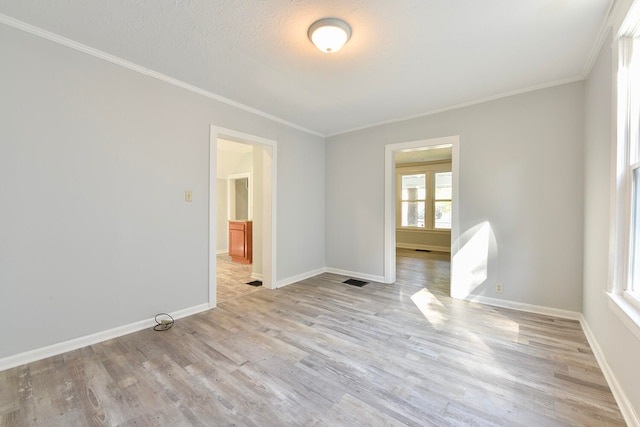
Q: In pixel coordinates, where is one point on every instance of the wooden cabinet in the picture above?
(240, 241)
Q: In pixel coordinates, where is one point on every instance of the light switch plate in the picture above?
(188, 196)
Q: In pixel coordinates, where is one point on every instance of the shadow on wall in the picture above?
(470, 263)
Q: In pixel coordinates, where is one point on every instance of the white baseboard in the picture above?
(257, 276)
(538, 309)
(76, 343)
(299, 277)
(222, 251)
(423, 247)
(356, 275)
(622, 400)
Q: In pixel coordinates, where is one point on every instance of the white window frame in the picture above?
(435, 199)
(400, 200)
(623, 301)
(429, 170)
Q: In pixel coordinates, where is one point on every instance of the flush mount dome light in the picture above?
(329, 34)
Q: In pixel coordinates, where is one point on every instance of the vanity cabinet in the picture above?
(240, 241)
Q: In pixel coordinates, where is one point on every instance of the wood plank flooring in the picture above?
(232, 278)
(323, 353)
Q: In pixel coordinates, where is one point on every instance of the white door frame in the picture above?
(268, 204)
(390, 198)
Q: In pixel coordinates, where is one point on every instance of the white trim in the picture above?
(520, 306)
(633, 298)
(256, 276)
(39, 32)
(630, 25)
(76, 343)
(390, 225)
(423, 247)
(618, 14)
(621, 398)
(356, 275)
(390, 197)
(32, 29)
(605, 29)
(299, 277)
(424, 230)
(213, 225)
(463, 105)
(269, 203)
(222, 251)
(624, 144)
(626, 312)
(615, 264)
(626, 407)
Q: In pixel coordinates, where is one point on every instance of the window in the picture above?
(414, 193)
(442, 200)
(629, 149)
(424, 199)
(633, 285)
(625, 281)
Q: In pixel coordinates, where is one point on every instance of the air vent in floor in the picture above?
(354, 282)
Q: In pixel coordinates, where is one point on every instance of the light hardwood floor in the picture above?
(232, 279)
(319, 353)
(427, 269)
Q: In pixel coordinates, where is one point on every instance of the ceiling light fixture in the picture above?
(329, 34)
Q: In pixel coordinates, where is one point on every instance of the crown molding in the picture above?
(39, 32)
(605, 30)
(463, 105)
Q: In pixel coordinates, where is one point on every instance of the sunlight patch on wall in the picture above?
(470, 263)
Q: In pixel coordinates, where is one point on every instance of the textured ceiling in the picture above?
(405, 58)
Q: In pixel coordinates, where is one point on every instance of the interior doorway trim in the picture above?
(269, 235)
(390, 198)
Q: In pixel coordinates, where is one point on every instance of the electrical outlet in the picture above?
(188, 196)
(498, 288)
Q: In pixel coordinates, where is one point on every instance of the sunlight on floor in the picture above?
(436, 314)
(430, 307)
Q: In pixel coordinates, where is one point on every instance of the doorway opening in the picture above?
(241, 203)
(239, 195)
(423, 214)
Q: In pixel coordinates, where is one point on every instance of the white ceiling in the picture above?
(405, 57)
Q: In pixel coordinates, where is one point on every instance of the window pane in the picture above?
(414, 187)
(635, 233)
(443, 186)
(413, 214)
(443, 215)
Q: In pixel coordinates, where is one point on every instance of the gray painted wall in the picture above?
(620, 347)
(520, 161)
(94, 161)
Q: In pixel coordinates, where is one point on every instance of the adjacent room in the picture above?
(214, 215)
